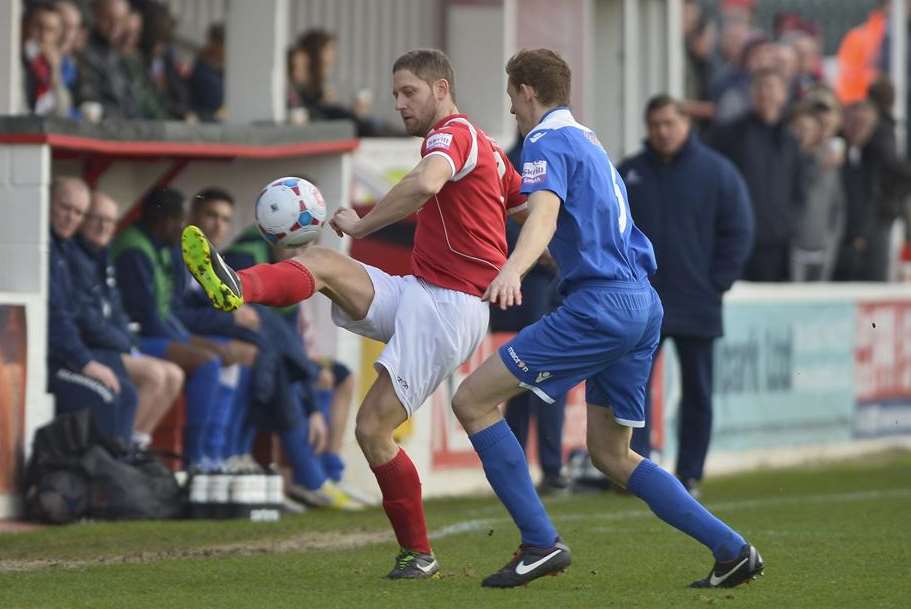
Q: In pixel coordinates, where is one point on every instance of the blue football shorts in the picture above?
(604, 333)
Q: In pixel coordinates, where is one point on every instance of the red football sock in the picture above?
(280, 284)
(401, 488)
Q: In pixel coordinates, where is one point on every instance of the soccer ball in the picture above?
(290, 212)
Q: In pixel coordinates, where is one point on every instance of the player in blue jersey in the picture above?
(605, 333)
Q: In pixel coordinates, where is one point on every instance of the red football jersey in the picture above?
(460, 239)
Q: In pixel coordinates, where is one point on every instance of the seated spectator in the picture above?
(311, 87)
(313, 63)
(821, 221)
(212, 210)
(150, 105)
(78, 376)
(207, 79)
(105, 324)
(151, 277)
(46, 88)
(72, 42)
(296, 408)
(164, 71)
(103, 77)
(298, 69)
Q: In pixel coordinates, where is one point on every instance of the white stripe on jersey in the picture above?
(448, 158)
(472, 161)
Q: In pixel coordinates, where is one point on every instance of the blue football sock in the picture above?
(217, 421)
(247, 436)
(306, 468)
(333, 465)
(674, 505)
(507, 471)
(127, 403)
(202, 394)
(239, 411)
(324, 401)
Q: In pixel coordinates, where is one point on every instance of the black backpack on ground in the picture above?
(74, 473)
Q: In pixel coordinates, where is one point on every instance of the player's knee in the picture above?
(462, 403)
(314, 257)
(609, 463)
(367, 428)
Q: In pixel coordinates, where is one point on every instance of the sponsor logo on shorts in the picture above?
(542, 376)
(515, 358)
(534, 172)
(439, 140)
(402, 382)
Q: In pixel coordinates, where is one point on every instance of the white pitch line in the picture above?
(479, 524)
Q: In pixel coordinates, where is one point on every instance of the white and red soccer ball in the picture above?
(290, 212)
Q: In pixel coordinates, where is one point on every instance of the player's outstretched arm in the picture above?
(536, 233)
(424, 181)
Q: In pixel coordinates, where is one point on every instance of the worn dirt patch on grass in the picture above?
(298, 543)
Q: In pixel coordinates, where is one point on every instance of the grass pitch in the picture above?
(832, 536)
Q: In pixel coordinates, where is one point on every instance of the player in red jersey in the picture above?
(431, 321)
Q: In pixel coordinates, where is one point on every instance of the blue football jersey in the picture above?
(596, 239)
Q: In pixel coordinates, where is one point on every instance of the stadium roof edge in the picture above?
(123, 138)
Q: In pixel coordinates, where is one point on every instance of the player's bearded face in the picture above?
(415, 102)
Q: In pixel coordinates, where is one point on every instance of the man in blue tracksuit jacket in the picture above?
(81, 375)
(694, 207)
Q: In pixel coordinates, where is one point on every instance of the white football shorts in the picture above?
(428, 330)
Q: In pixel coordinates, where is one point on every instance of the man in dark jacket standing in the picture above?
(694, 207)
(768, 156)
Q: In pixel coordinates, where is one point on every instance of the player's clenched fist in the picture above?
(344, 222)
